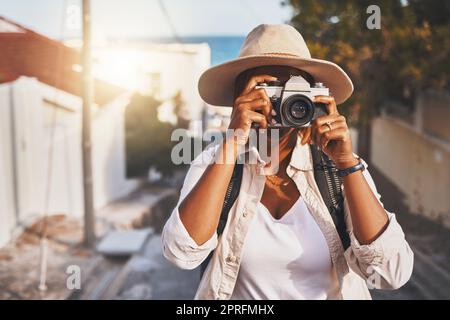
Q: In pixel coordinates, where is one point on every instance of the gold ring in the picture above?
(328, 124)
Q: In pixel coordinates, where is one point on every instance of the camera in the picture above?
(293, 101)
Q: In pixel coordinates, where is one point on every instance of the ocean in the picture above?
(223, 48)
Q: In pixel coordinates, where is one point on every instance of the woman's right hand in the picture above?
(248, 103)
(200, 209)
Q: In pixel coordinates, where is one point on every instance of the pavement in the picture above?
(20, 260)
(151, 276)
(430, 242)
(146, 274)
(154, 278)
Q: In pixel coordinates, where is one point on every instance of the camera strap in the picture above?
(328, 182)
(231, 195)
(330, 186)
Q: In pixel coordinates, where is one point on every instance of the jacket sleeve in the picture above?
(178, 246)
(387, 262)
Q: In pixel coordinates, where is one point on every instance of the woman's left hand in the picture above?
(331, 133)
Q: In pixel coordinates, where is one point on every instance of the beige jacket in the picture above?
(386, 263)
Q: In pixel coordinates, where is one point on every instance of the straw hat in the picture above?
(272, 45)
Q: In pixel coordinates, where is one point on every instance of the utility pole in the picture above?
(87, 93)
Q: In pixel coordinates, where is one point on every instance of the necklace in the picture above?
(272, 180)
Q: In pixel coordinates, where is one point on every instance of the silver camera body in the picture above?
(293, 102)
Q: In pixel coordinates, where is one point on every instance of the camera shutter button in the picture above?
(319, 85)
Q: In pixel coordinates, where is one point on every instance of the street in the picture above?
(148, 275)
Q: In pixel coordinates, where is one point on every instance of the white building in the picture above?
(40, 118)
(40, 153)
(156, 69)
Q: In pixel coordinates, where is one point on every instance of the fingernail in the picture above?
(273, 112)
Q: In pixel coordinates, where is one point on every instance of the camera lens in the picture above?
(297, 110)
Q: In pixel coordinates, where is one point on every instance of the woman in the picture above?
(280, 241)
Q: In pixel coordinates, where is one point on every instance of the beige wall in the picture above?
(418, 164)
(7, 202)
(436, 114)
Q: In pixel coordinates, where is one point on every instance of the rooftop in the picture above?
(27, 53)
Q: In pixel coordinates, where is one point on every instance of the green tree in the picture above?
(147, 139)
(410, 53)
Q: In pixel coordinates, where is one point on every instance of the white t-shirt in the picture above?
(285, 258)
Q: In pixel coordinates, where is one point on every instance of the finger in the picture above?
(320, 131)
(258, 104)
(340, 134)
(252, 95)
(306, 135)
(329, 102)
(267, 108)
(320, 121)
(332, 126)
(317, 134)
(340, 119)
(335, 121)
(255, 80)
(254, 117)
(318, 125)
(261, 102)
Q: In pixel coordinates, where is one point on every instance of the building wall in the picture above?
(34, 112)
(175, 67)
(417, 163)
(435, 108)
(108, 153)
(7, 206)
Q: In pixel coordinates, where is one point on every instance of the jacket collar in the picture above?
(301, 157)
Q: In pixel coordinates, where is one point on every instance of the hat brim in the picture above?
(216, 85)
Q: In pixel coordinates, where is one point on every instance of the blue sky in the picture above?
(144, 18)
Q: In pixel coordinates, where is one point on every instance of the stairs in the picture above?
(143, 276)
